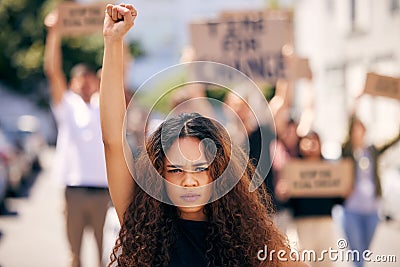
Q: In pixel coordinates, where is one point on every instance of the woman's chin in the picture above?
(192, 213)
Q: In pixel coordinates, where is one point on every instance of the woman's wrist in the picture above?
(112, 40)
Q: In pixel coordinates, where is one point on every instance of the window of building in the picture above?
(330, 6)
(360, 15)
(394, 6)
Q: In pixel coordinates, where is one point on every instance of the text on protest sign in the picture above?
(252, 45)
(309, 178)
(79, 19)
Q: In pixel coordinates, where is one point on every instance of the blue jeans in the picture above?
(359, 229)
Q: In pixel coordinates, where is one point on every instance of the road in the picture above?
(36, 236)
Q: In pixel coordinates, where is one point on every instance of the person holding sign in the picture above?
(361, 207)
(312, 215)
(80, 161)
(182, 158)
(286, 145)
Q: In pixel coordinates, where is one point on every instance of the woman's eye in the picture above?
(174, 171)
(201, 169)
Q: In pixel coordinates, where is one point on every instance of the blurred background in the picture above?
(342, 40)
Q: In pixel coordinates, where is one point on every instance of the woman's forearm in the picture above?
(112, 98)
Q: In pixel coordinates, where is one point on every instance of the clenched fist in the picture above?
(118, 20)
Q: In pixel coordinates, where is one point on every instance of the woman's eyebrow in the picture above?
(200, 164)
(174, 166)
(181, 166)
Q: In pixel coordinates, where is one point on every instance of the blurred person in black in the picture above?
(283, 148)
(80, 163)
(362, 205)
(286, 148)
(259, 144)
(312, 215)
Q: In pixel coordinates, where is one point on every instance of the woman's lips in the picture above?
(190, 197)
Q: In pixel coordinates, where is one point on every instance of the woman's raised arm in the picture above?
(117, 22)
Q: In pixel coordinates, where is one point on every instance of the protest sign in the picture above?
(251, 44)
(256, 14)
(380, 85)
(310, 178)
(79, 19)
(297, 68)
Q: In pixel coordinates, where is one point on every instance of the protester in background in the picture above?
(240, 119)
(361, 207)
(285, 148)
(312, 215)
(80, 163)
(136, 117)
(229, 231)
(258, 135)
(191, 98)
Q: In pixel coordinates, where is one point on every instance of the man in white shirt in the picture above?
(79, 163)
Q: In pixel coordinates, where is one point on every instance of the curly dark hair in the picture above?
(239, 223)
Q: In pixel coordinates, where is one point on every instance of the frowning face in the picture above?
(187, 177)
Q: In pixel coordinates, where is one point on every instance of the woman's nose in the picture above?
(189, 179)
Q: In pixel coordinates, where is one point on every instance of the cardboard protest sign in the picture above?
(297, 68)
(309, 178)
(252, 45)
(379, 85)
(254, 14)
(80, 19)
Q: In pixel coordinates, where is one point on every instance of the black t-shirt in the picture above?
(258, 142)
(303, 207)
(190, 244)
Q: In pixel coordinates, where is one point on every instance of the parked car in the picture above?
(20, 148)
(3, 184)
(27, 137)
(12, 161)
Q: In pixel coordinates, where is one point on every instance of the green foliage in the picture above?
(219, 93)
(268, 91)
(161, 93)
(88, 49)
(273, 4)
(22, 40)
(216, 92)
(135, 49)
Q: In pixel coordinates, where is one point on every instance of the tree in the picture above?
(22, 40)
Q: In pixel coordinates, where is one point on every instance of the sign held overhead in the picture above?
(80, 19)
(250, 41)
(380, 85)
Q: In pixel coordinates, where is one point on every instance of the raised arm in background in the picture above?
(118, 20)
(53, 59)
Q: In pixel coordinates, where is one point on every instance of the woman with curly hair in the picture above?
(172, 206)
